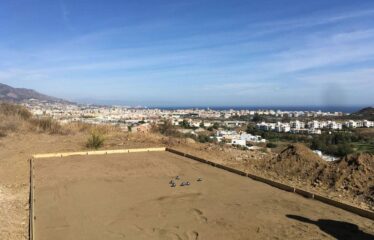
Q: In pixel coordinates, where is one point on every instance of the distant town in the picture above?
(228, 125)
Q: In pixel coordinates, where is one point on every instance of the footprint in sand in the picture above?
(167, 234)
(172, 235)
(193, 235)
(199, 215)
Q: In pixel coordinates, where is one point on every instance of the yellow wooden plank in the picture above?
(101, 152)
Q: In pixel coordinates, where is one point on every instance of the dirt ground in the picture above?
(15, 150)
(299, 168)
(128, 196)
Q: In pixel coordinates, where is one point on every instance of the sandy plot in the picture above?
(128, 196)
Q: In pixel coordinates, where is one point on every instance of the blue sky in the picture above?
(197, 52)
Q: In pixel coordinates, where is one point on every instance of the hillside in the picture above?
(365, 113)
(10, 94)
(349, 180)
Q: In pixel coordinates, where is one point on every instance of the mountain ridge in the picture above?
(11, 94)
(367, 113)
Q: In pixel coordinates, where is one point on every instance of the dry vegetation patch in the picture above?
(17, 118)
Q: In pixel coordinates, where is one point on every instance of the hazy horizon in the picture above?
(326, 108)
(195, 53)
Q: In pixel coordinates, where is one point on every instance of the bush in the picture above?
(47, 125)
(240, 147)
(271, 145)
(337, 144)
(95, 141)
(167, 129)
(185, 124)
(344, 149)
(2, 134)
(258, 118)
(204, 138)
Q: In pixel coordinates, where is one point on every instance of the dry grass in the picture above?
(48, 125)
(365, 132)
(15, 118)
(86, 127)
(8, 109)
(12, 118)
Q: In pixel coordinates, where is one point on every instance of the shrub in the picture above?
(271, 145)
(240, 147)
(2, 134)
(204, 138)
(95, 141)
(166, 128)
(185, 124)
(344, 149)
(257, 118)
(47, 125)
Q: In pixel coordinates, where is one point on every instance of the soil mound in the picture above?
(352, 175)
(355, 174)
(298, 162)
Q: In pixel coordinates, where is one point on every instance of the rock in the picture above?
(190, 141)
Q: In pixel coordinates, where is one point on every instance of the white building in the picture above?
(266, 126)
(314, 125)
(351, 124)
(251, 138)
(334, 125)
(367, 124)
(234, 123)
(315, 131)
(239, 142)
(282, 127)
(297, 124)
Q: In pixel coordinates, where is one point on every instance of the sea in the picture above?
(344, 109)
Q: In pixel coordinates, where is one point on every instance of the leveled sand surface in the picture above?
(128, 196)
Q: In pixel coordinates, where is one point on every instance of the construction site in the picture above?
(143, 194)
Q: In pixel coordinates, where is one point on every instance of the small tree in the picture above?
(215, 125)
(204, 138)
(344, 149)
(257, 118)
(185, 124)
(167, 128)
